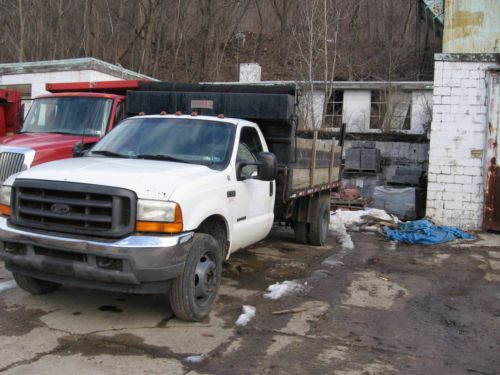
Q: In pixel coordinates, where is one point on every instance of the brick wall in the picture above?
(457, 143)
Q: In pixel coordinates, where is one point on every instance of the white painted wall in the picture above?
(357, 105)
(38, 80)
(356, 110)
(458, 140)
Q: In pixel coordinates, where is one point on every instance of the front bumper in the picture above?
(136, 264)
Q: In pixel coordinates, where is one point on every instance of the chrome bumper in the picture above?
(134, 260)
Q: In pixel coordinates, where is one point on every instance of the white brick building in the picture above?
(459, 131)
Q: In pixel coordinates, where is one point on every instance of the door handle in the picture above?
(271, 189)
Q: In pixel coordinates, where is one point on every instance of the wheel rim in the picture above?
(205, 279)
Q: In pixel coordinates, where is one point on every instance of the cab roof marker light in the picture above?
(141, 113)
(220, 115)
(163, 113)
(178, 113)
(194, 113)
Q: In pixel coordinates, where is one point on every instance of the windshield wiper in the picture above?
(60, 132)
(161, 157)
(109, 153)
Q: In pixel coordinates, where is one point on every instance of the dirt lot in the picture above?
(377, 309)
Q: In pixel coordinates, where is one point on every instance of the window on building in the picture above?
(378, 108)
(334, 109)
(390, 111)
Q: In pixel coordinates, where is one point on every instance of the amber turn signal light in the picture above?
(158, 227)
(4, 210)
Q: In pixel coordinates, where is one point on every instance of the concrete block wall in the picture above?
(457, 142)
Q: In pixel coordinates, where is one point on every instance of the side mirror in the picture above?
(267, 168)
(81, 149)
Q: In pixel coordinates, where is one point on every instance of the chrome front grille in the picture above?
(73, 208)
(10, 163)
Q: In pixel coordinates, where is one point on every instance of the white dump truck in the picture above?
(158, 204)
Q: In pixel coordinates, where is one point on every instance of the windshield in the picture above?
(176, 139)
(75, 115)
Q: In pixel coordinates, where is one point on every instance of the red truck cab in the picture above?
(73, 114)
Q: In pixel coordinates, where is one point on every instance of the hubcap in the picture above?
(205, 279)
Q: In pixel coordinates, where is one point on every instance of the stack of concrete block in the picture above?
(363, 157)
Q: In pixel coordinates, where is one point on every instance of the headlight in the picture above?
(158, 216)
(5, 193)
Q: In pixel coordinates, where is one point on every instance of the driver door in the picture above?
(254, 198)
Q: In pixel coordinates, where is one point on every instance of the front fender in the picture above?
(196, 212)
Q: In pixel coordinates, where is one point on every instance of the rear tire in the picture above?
(193, 293)
(300, 230)
(35, 286)
(318, 229)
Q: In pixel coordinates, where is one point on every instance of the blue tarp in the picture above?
(424, 232)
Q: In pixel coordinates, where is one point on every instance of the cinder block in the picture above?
(456, 170)
(449, 117)
(452, 205)
(445, 169)
(433, 186)
(446, 99)
(447, 196)
(440, 108)
(477, 180)
(353, 159)
(459, 91)
(433, 169)
(437, 99)
(465, 197)
(445, 178)
(462, 179)
(449, 73)
(470, 83)
(443, 91)
(370, 159)
(453, 188)
(436, 118)
(471, 171)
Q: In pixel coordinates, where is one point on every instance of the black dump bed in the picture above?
(307, 164)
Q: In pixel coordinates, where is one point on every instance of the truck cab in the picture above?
(72, 115)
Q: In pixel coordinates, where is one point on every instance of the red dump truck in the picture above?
(59, 125)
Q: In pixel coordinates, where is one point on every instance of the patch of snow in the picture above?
(246, 316)
(337, 226)
(341, 221)
(194, 359)
(6, 285)
(353, 218)
(285, 288)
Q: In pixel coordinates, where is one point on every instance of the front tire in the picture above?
(193, 293)
(35, 286)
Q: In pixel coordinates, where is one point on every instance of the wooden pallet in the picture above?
(352, 204)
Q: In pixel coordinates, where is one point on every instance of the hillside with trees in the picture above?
(206, 40)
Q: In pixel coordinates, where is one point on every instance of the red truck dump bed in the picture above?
(109, 87)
